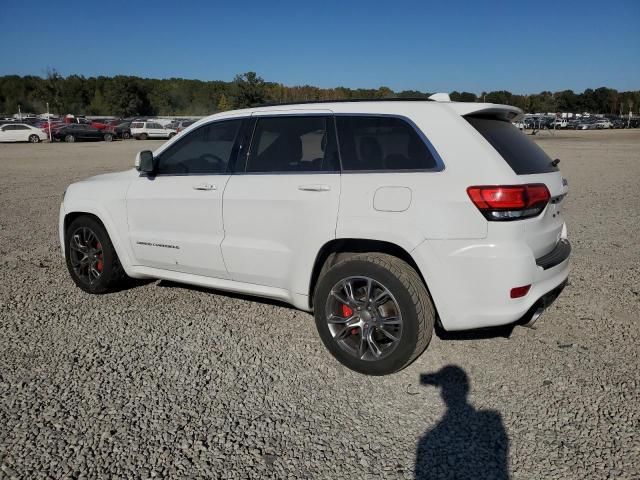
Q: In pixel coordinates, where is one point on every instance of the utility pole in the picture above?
(49, 120)
(19, 113)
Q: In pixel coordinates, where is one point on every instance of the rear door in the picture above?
(156, 131)
(281, 206)
(531, 165)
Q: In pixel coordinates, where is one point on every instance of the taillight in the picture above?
(510, 202)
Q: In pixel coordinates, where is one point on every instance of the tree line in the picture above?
(127, 96)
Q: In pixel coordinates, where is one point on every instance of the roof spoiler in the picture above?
(493, 110)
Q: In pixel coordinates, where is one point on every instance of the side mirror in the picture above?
(144, 162)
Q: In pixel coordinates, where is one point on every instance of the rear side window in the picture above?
(205, 150)
(137, 125)
(522, 155)
(293, 144)
(373, 143)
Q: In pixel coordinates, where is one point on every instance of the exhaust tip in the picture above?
(537, 312)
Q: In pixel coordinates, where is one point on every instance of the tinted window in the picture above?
(21, 127)
(381, 143)
(137, 125)
(206, 150)
(522, 155)
(293, 144)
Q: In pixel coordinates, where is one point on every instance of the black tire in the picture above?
(126, 135)
(112, 276)
(171, 135)
(404, 283)
(108, 137)
(34, 139)
(69, 138)
(143, 136)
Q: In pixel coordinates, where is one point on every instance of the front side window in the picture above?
(204, 151)
(375, 143)
(293, 144)
(21, 127)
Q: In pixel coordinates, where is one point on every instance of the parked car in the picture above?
(587, 124)
(99, 124)
(145, 130)
(603, 123)
(184, 124)
(379, 217)
(122, 130)
(73, 132)
(21, 132)
(559, 123)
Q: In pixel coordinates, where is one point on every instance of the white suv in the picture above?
(380, 217)
(145, 130)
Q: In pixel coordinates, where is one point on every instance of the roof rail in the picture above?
(306, 102)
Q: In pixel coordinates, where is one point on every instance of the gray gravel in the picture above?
(167, 381)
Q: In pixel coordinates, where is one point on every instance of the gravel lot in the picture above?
(168, 381)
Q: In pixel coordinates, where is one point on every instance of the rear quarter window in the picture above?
(137, 125)
(523, 156)
(381, 143)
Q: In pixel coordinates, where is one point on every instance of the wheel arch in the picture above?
(116, 241)
(338, 249)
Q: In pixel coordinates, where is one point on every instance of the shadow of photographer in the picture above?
(466, 443)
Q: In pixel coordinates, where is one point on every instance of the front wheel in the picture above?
(373, 313)
(108, 137)
(126, 136)
(91, 259)
(69, 139)
(34, 138)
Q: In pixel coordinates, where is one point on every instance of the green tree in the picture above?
(248, 90)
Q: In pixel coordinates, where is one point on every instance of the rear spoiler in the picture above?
(493, 110)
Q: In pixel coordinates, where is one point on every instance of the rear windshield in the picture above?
(522, 155)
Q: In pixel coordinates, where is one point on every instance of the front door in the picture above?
(175, 216)
(281, 205)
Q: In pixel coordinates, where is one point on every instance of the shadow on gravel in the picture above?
(466, 443)
(504, 331)
(239, 296)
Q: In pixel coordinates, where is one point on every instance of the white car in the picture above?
(380, 217)
(145, 130)
(21, 132)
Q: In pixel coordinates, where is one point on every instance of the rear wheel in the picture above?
(143, 136)
(108, 137)
(91, 259)
(373, 313)
(34, 138)
(126, 135)
(69, 138)
(171, 135)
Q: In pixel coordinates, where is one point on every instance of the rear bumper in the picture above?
(470, 283)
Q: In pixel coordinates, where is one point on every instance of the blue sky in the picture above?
(521, 46)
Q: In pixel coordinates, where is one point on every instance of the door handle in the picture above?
(314, 188)
(205, 186)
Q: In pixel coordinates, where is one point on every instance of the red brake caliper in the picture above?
(99, 265)
(347, 312)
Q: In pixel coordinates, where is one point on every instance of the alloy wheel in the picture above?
(364, 318)
(85, 252)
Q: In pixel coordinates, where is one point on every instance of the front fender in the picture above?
(116, 229)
